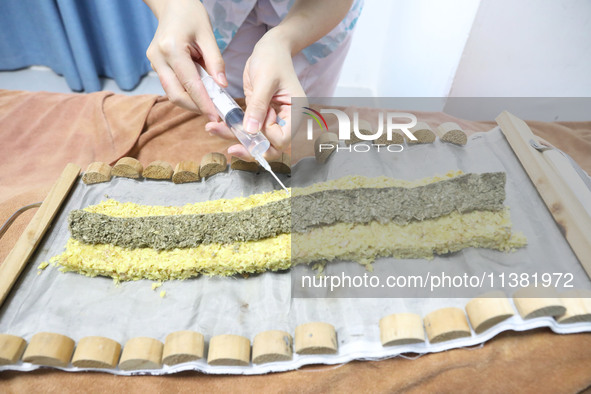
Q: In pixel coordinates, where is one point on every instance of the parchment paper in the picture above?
(78, 306)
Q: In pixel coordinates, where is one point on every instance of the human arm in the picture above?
(270, 80)
(184, 37)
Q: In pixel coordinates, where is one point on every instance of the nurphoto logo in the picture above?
(392, 122)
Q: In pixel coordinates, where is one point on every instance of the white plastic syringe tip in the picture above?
(267, 167)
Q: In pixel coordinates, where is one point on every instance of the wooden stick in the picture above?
(272, 346)
(423, 133)
(182, 347)
(212, 163)
(186, 171)
(241, 165)
(47, 348)
(281, 165)
(316, 338)
(451, 132)
(141, 353)
(127, 167)
(534, 302)
(578, 307)
(11, 348)
(230, 350)
(96, 352)
(401, 329)
(35, 230)
(570, 215)
(324, 146)
(158, 169)
(446, 324)
(97, 172)
(488, 310)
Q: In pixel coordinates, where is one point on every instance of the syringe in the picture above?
(231, 113)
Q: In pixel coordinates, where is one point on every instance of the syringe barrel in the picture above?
(256, 144)
(233, 115)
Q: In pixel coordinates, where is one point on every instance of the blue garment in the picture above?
(79, 39)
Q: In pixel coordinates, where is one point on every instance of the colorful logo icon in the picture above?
(317, 117)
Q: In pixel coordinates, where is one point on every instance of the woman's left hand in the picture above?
(270, 82)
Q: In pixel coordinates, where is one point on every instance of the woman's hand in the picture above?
(270, 82)
(185, 37)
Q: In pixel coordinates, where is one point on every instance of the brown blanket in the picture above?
(41, 132)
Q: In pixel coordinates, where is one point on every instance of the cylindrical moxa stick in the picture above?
(185, 172)
(451, 132)
(488, 310)
(271, 346)
(229, 350)
(578, 306)
(282, 165)
(141, 353)
(242, 165)
(11, 348)
(446, 324)
(183, 346)
(423, 133)
(96, 352)
(315, 338)
(537, 302)
(212, 163)
(47, 348)
(364, 128)
(127, 167)
(158, 169)
(97, 172)
(396, 138)
(401, 329)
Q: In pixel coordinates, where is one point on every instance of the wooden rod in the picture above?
(97, 172)
(141, 353)
(534, 302)
(488, 310)
(48, 348)
(18, 257)
(158, 169)
(570, 215)
(316, 338)
(11, 348)
(446, 324)
(183, 346)
(229, 350)
(212, 163)
(272, 346)
(128, 167)
(578, 306)
(96, 352)
(401, 329)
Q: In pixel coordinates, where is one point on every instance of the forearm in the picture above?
(156, 6)
(308, 21)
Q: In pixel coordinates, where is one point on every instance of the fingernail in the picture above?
(252, 126)
(222, 79)
(208, 127)
(231, 150)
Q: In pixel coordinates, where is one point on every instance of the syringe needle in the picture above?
(232, 114)
(281, 183)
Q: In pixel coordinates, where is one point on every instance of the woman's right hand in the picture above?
(185, 37)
